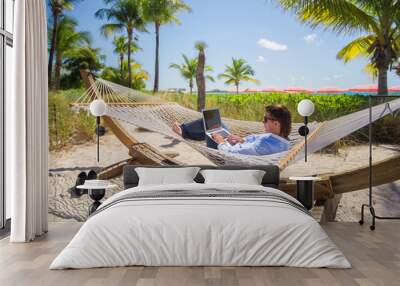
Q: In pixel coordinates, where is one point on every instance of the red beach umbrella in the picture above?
(232, 90)
(395, 88)
(272, 89)
(371, 88)
(250, 90)
(330, 90)
(298, 89)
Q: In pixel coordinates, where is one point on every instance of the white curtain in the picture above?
(26, 123)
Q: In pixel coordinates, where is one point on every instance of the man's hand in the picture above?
(218, 138)
(234, 139)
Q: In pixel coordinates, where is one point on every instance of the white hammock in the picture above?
(152, 113)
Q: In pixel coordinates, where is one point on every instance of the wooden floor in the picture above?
(375, 257)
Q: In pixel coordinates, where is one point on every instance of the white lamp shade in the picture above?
(98, 107)
(305, 107)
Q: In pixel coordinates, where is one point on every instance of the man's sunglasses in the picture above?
(267, 118)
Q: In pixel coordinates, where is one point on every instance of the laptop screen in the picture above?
(212, 119)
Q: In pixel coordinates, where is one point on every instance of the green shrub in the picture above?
(252, 106)
(65, 125)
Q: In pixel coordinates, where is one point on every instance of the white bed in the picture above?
(209, 230)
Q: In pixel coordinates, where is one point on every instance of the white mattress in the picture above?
(195, 231)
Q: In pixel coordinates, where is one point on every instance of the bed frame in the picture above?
(270, 179)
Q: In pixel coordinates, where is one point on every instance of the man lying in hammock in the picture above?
(277, 124)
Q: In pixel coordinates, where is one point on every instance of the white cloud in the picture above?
(260, 59)
(337, 76)
(270, 45)
(311, 38)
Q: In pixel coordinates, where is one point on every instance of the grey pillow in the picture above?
(247, 177)
(166, 176)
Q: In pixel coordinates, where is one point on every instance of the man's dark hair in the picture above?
(281, 114)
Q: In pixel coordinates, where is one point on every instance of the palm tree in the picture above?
(188, 70)
(200, 79)
(161, 12)
(123, 15)
(67, 40)
(81, 57)
(378, 20)
(139, 75)
(56, 7)
(238, 72)
(121, 48)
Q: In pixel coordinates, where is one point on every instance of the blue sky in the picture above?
(282, 51)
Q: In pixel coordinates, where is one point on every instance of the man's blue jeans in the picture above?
(195, 130)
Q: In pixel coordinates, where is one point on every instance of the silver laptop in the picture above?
(213, 124)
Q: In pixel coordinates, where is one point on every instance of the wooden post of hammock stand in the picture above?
(88, 81)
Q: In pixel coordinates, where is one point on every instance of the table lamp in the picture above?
(98, 108)
(305, 108)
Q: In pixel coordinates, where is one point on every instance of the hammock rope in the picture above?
(129, 106)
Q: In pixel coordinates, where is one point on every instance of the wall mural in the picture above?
(106, 112)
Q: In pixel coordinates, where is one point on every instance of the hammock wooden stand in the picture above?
(328, 191)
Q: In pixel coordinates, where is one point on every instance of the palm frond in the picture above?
(358, 48)
(200, 45)
(111, 28)
(340, 15)
(175, 66)
(164, 11)
(225, 76)
(371, 70)
(210, 78)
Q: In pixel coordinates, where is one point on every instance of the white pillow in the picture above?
(248, 177)
(166, 176)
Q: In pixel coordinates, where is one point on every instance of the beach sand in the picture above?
(66, 164)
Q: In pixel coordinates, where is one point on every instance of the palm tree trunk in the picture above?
(56, 13)
(156, 72)
(201, 82)
(397, 68)
(191, 86)
(121, 65)
(129, 58)
(382, 82)
(237, 88)
(57, 76)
